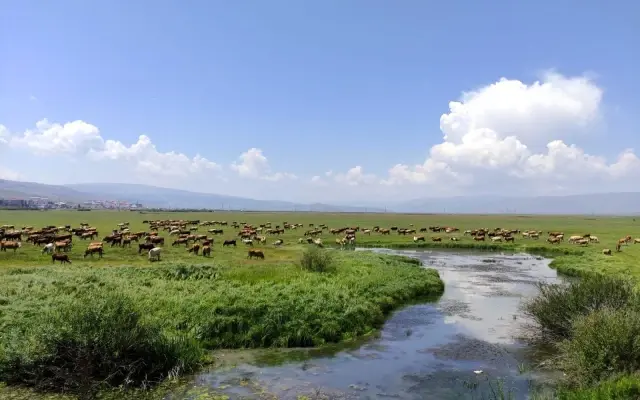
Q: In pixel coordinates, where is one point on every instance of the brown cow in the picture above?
(206, 251)
(4, 245)
(195, 249)
(94, 249)
(255, 253)
(63, 258)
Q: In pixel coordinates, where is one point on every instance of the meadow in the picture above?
(173, 310)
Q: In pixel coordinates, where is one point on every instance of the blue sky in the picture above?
(317, 86)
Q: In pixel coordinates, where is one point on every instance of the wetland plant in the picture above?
(557, 306)
(315, 259)
(94, 342)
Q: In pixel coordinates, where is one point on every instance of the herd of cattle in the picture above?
(57, 241)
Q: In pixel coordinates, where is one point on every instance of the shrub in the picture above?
(315, 259)
(603, 343)
(97, 340)
(621, 388)
(554, 310)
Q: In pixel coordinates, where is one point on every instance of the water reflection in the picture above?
(424, 351)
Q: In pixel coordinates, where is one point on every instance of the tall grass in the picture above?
(555, 309)
(96, 341)
(604, 343)
(80, 329)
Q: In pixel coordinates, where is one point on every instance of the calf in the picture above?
(63, 258)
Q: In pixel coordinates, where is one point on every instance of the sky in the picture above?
(332, 100)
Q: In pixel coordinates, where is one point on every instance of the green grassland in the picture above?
(229, 301)
(569, 258)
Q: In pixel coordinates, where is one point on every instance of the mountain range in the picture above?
(157, 197)
(622, 203)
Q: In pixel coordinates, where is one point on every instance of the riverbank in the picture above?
(184, 308)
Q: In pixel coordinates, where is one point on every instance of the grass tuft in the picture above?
(315, 259)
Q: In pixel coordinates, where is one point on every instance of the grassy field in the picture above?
(577, 259)
(186, 303)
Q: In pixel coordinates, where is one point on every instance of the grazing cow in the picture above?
(454, 239)
(436, 239)
(618, 247)
(606, 252)
(4, 245)
(180, 241)
(63, 258)
(195, 249)
(497, 239)
(48, 248)
(636, 241)
(206, 251)
(145, 246)
(278, 242)
(318, 242)
(154, 254)
(255, 253)
(229, 243)
(553, 240)
(574, 238)
(91, 250)
(418, 239)
(248, 242)
(479, 238)
(593, 239)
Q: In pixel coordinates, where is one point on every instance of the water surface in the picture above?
(451, 348)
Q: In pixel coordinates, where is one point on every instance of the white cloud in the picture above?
(253, 164)
(510, 132)
(4, 135)
(8, 174)
(81, 139)
(354, 177)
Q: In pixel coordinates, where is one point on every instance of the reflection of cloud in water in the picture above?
(423, 351)
(492, 290)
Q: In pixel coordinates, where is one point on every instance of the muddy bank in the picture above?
(451, 348)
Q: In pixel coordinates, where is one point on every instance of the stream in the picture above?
(461, 345)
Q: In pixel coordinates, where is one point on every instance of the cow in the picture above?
(154, 254)
(195, 249)
(436, 239)
(91, 250)
(255, 253)
(229, 243)
(206, 251)
(248, 242)
(606, 252)
(637, 240)
(418, 238)
(145, 246)
(4, 245)
(63, 258)
(48, 248)
(278, 242)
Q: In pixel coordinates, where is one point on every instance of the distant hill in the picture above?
(152, 196)
(595, 203)
(16, 189)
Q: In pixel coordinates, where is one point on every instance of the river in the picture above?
(458, 346)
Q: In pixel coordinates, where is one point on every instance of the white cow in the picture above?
(155, 253)
(48, 248)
